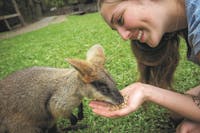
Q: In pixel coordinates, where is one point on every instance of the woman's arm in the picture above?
(138, 93)
(179, 103)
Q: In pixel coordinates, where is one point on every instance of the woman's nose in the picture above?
(124, 33)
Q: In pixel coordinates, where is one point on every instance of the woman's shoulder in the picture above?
(192, 11)
(193, 19)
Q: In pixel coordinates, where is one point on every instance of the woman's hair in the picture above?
(156, 65)
(100, 2)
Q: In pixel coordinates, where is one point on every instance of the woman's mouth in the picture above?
(139, 36)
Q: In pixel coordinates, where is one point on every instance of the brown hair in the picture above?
(157, 65)
(100, 2)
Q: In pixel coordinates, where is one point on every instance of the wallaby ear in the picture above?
(85, 69)
(96, 55)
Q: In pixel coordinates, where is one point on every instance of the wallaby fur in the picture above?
(31, 100)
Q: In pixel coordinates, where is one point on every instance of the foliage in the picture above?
(1, 3)
(55, 3)
(72, 38)
(60, 3)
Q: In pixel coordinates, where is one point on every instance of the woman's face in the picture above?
(136, 20)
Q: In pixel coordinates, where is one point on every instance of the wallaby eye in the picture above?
(102, 87)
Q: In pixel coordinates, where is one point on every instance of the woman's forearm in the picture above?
(179, 103)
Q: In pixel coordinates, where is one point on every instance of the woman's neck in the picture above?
(181, 13)
(176, 11)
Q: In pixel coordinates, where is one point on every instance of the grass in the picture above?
(72, 38)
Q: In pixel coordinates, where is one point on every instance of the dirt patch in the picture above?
(34, 26)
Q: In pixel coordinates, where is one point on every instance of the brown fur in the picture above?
(31, 100)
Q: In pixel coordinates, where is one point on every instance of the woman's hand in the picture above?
(135, 94)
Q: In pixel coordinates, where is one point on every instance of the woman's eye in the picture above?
(120, 20)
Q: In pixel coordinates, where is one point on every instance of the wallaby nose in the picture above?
(119, 98)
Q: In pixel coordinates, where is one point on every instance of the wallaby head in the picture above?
(100, 85)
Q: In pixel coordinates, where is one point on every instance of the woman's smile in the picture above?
(137, 35)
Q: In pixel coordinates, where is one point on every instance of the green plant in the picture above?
(55, 3)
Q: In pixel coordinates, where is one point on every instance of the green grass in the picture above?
(72, 38)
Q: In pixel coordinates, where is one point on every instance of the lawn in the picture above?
(72, 38)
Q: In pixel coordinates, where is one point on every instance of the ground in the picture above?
(34, 26)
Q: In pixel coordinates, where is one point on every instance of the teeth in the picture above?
(139, 35)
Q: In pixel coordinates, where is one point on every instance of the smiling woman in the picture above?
(154, 41)
(153, 28)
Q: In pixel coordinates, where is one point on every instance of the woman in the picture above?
(154, 27)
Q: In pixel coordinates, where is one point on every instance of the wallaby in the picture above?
(31, 100)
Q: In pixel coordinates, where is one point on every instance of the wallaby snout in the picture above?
(105, 93)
